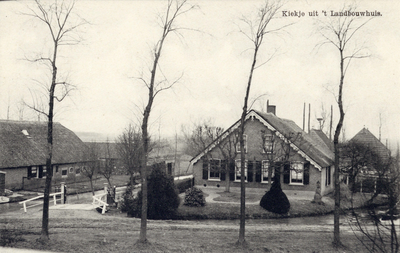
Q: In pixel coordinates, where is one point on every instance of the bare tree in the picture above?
(255, 30)
(20, 109)
(375, 226)
(339, 31)
(174, 10)
(107, 166)
(129, 148)
(91, 164)
(57, 17)
(354, 157)
(200, 136)
(204, 134)
(228, 149)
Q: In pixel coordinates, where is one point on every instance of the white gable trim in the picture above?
(292, 145)
(251, 114)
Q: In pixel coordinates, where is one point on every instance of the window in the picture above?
(296, 173)
(169, 168)
(71, 170)
(78, 171)
(267, 143)
(265, 168)
(64, 172)
(32, 172)
(42, 172)
(238, 170)
(238, 143)
(214, 169)
(328, 176)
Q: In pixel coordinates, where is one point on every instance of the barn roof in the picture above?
(365, 137)
(23, 143)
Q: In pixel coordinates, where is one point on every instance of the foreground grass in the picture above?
(88, 231)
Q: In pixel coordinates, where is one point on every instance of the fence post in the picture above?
(62, 193)
(375, 185)
(361, 185)
(105, 187)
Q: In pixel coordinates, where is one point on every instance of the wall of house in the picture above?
(326, 189)
(182, 168)
(14, 178)
(254, 131)
(17, 178)
(314, 177)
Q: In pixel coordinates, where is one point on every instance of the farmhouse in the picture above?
(273, 146)
(23, 147)
(366, 163)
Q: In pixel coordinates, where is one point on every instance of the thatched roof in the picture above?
(23, 143)
(366, 138)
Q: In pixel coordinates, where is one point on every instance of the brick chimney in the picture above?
(271, 108)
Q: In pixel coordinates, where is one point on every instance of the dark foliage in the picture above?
(275, 199)
(194, 197)
(9, 237)
(163, 199)
(184, 185)
(127, 199)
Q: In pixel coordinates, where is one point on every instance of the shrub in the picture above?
(275, 200)
(194, 197)
(128, 199)
(162, 197)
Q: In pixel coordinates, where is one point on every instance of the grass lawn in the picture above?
(231, 210)
(212, 228)
(88, 231)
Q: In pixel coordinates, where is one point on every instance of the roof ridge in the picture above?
(26, 121)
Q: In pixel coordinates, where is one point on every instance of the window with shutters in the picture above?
(214, 169)
(265, 168)
(328, 176)
(296, 173)
(42, 171)
(32, 172)
(238, 171)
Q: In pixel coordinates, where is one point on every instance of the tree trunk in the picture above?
(44, 236)
(336, 218)
(145, 137)
(242, 240)
(91, 185)
(143, 221)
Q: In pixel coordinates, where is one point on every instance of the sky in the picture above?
(213, 60)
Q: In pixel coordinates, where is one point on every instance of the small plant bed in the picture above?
(231, 211)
